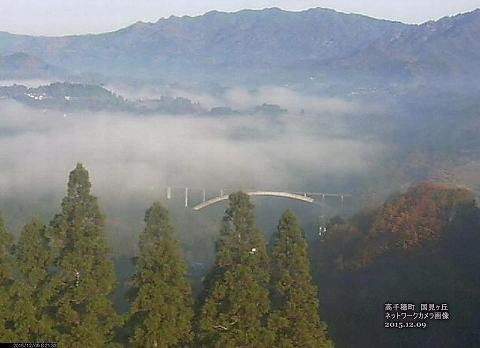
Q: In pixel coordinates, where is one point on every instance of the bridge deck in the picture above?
(295, 196)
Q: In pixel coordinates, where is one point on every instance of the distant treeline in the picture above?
(56, 283)
(75, 97)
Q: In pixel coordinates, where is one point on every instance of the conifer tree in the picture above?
(31, 292)
(295, 319)
(236, 299)
(162, 310)
(84, 277)
(7, 265)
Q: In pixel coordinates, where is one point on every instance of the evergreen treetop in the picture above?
(236, 295)
(162, 309)
(295, 319)
(31, 294)
(84, 277)
(33, 253)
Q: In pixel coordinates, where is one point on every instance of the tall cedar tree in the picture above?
(295, 318)
(162, 310)
(84, 276)
(31, 292)
(236, 299)
(7, 265)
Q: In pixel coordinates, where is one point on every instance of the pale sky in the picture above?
(64, 17)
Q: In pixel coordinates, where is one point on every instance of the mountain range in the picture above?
(260, 46)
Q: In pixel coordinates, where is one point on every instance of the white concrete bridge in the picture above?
(306, 197)
(295, 196)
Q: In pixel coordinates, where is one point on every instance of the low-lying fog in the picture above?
(136, 153)
(133, 158)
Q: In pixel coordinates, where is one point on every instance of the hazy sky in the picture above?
(60, 17)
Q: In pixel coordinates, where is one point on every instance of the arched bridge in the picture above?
(303, 198)
(306, 197)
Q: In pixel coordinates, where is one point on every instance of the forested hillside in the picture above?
(422, 246)
(419, 247)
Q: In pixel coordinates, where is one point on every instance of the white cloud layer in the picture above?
(134, 155)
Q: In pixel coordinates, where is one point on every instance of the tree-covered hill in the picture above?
(419, 247)
(67, 96)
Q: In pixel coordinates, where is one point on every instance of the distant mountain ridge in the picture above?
(269, 45)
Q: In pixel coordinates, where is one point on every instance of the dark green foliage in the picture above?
(421, 246)
(162, 309)
(83, 277)
(33, 254)
(295, 319)
(31, 292)
(236, 299)
(7, 333)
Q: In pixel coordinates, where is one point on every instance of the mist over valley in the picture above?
(381, 116)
